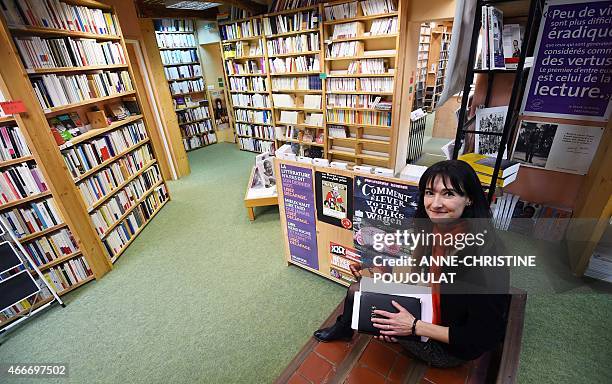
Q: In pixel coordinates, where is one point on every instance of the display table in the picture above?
(328, 215)
(258, 197)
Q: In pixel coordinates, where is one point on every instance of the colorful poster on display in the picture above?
(334, 199)
(381, 207)
(571, 75)
(219, 107)
(300, 214)
(557, 147)
(340, 259)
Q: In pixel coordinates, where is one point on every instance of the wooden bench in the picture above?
(367, 360)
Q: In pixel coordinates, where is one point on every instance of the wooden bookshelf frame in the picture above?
(47, 154)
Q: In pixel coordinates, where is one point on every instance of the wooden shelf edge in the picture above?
(130, 209)
(19, 160)
(98, 131)
(23, 313)
(11, 204)
(41, 233)
(120, 186)
(77, 285)
(110, 161)
(86, 102)
(59, 260)
(138, 231)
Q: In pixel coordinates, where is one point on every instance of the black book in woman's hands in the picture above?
(371, 301)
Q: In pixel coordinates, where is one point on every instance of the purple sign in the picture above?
(300, 214)
(572, 66)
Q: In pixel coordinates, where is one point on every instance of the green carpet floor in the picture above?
(204, 296)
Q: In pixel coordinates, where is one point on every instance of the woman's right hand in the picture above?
(356, 270)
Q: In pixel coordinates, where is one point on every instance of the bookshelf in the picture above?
(295, 57)
(86, 135)
(362, 58)
(177, 42)
(421, 67)
(436, 63)
(312, 88)
(246, 69)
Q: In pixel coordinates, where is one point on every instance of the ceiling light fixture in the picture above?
(195, 5)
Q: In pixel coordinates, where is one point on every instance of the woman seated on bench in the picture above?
(466, 322)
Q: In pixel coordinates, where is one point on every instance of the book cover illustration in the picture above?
(334, 199)
(496, 27)
(489, 120)
(340, 260)
(381, 207)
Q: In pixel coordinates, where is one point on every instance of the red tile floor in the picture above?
(367, 360)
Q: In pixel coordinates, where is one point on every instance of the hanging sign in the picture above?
(300, 214)
(571, 75)
(12, 107)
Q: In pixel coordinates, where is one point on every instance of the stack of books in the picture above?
(485, 165)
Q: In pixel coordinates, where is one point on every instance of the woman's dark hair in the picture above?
(463, 180)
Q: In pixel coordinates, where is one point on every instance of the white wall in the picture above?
(208, 32)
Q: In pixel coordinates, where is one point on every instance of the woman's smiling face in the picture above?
(443, 204)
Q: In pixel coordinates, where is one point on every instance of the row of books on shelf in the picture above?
(182, 40)
(295, 64)
(58, 90)
(179, 56)
(25, 305)
(384, 27)
(50, 247)
(114, 208)
(294, 44)
(366, 66)
(282, 5)
(37, 52)
(341, 11)
(250, 116)
(20, 181)
(183, 71)
(101, 184)
(258, 131)
(244, 49)
(307, 135)
(378, 84)
(248, 84)
(359, 117)
(197, 128)
(246, 100)
(345, 30)
(540, 221)
(248, 67)
(234, 13)
(12, 143)
(36, 217)
(256, 145)
(116, 240)
(313, 82)
(192, 114)
(85, 156)
(293, 118)
(59, 15)
(345, 49)
(199, 141)
(289, 101)
(291, 23)
(185, 102)
(173, 25)
(499, 45)
(368, 8)
(68, 274)
(248, 28)
(377, 7)
(186, 86)
(358, 101)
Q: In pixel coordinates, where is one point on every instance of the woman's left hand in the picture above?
(394, 324)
